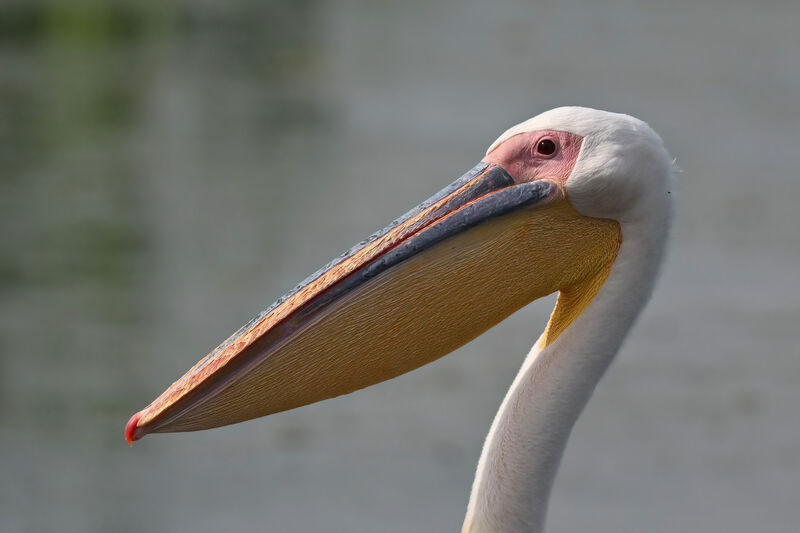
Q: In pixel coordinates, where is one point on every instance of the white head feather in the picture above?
(623, 170)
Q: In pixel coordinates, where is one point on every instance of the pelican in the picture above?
(575, 200)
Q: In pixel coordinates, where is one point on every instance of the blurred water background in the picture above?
(168, 169)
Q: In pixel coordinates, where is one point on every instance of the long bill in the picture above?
(430, 282)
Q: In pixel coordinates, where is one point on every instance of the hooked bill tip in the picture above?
(130, 429)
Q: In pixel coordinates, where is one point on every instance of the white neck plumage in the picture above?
(524, 447)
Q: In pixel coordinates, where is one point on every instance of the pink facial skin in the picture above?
(521, 157)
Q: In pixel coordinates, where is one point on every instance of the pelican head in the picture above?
(541, 213)
(574, 200)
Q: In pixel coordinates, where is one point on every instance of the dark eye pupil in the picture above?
(546, 147)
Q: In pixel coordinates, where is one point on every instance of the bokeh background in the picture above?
(168, 169)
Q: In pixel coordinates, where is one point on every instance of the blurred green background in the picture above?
(168, 169)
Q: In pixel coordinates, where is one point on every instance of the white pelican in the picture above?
(574, 200)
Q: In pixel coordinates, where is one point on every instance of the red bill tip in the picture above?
(130, 429)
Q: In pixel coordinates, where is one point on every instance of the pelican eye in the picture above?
(546, 147)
